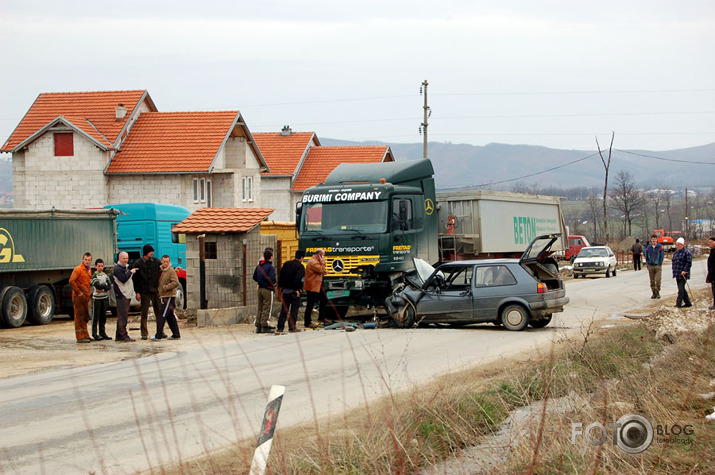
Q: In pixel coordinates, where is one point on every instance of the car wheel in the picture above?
(575, 276)
(42, 305)
(514, 317)
(608, 273)
(540, 323)
(405, 318)
(614, 272)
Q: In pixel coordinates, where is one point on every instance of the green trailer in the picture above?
(39, 249)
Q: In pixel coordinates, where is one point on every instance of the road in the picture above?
(136, 414)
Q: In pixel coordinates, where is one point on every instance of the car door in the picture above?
(491, 284)
(448, 295)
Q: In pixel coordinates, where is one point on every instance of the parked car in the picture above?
(509, 292)
(595, 260)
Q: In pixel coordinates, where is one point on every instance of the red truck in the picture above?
(576, 242)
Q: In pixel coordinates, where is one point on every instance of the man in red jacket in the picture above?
(80, 282)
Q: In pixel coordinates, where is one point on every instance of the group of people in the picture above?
(682, 262)
(150, 280)
(294, 278)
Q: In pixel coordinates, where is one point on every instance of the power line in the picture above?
(524, 176)
(665, 159)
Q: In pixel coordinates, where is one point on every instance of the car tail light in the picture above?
(541, 288)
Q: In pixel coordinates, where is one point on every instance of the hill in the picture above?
(463, 165)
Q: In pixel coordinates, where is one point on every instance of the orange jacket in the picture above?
(314, 271)
(80, 282)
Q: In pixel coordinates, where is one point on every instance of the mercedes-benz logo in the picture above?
(429, 207)
(338, 266)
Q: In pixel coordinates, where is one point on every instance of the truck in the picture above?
(139, 224)
(665, 240)
(373, 219)
(38, 250)
(495, 224)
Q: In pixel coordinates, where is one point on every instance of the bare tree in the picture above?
(668, 197)
(606, 166)
(594, 204)
(627, 199)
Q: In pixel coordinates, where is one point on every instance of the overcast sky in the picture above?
(552, 73)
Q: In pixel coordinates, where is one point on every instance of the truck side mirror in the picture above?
(298, 210)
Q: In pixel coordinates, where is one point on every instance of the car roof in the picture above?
(482, 262)
(596, 247)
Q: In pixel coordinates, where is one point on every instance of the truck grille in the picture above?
(348, 265)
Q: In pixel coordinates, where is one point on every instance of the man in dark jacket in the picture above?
(710, 279)
(146, 285)
(290, 281)
(265, 277)
(680, 264)
(637, 250)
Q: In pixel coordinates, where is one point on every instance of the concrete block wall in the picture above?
(275, 194)
(75, 181)
(167, 189)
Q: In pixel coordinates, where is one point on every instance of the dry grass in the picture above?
(433, 429)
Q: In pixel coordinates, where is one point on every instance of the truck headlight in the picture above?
(359, 285)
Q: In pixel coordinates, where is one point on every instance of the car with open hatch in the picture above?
(514, 293)
(594, 260)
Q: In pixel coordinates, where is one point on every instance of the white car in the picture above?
(595, 260)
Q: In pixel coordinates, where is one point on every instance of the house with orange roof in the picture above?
(90, 149)
(297, 161)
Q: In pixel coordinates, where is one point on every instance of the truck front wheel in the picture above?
(14, 307)
(181, 295)
(42, 305)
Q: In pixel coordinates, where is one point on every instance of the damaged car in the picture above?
(514, 293)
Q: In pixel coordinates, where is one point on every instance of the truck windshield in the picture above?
(362, 216)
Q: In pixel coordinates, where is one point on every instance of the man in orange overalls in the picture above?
(80, 283)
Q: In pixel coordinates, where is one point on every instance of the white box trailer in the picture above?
(493, 224)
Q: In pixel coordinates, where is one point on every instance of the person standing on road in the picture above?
(710, 279)
(146, 285)
(654, 254)
(290, 281)
(80, 281)
(100, 301)
(168, 283)
(314, 272)
(265, 277)
(123, 291)
(682, 261)
(637, 250)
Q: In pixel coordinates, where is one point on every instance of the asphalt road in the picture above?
(141, 413)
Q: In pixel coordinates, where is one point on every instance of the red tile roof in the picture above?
(92, 112)
(173, 142)
(284, 152)
(222, 220)
(323, 160)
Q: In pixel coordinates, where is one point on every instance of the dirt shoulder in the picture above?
(31, 349)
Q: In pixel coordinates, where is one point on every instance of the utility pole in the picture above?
(427, 113)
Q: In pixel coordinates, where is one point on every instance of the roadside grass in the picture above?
(607, 374)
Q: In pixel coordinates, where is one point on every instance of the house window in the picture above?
(209, 194)
(210, 251)
(247, 189)
(64, 144)
(196, 190)
(202, 190)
